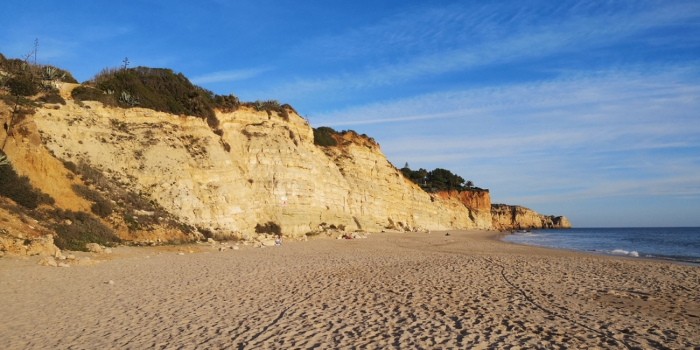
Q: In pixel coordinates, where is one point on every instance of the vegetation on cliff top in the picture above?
(324, 136)
(160, 89)
(163, 90)
(438, 180)
(20, 80)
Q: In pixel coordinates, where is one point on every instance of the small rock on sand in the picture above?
(235, 247)
(180, 253)
(108, 251)
(48, 262)
(62, 264)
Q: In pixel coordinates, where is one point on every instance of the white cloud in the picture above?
(230, 75)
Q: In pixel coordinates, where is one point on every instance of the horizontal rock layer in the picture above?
(258, 167)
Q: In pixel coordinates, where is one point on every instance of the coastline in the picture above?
(392, 290)
(601, 253)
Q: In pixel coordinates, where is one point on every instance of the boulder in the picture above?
(43, 246)
(268, 243)
(94, 247)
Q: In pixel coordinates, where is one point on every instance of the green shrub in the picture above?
(323, 137)
(83, 229)
(86, 93)
(269, 227)
(101, 206)
(159, 89)
(438, 180)
(38, 75)
(226, 104)
(22, 85)
(52, 97)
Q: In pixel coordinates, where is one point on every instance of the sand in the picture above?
(390, 291)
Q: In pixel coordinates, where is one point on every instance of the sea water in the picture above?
(669, 243)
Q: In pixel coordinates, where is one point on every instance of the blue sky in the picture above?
(589, 109)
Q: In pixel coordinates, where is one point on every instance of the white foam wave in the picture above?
(625, 252)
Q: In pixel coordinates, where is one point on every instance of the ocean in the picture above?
(680, 244)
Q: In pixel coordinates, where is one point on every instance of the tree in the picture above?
(470, 184)
(406, 166)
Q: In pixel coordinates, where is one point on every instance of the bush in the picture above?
(226, 104)
(83, 229)
(101, 207)
(20, 190)
(323, 137)
(160, 89)
(438, 180)
(22, 85)
(52, 97)
(36, 74)
(269, 227)
(85, 93)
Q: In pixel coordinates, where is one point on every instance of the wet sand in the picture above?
(390, 291)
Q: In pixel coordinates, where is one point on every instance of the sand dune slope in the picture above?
(391, 291)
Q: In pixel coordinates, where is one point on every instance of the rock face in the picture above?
(513, 217)
(258, 167)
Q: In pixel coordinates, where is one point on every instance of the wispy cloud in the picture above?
(594, 96)
(229, 75)
(437, 41)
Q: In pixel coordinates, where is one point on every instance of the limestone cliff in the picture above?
(513, 217)
(256, 167)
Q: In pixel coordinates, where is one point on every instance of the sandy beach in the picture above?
(390, 291)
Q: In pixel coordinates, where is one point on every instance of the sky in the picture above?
(588, 109)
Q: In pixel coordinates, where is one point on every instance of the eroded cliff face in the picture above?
(258, 167)
(513, 217)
